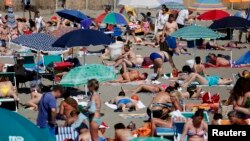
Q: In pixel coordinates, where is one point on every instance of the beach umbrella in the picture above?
(149, 139)
(80, 75)
(100, 17)
(61, 31)
(37, 41)
(213, 15)
(83, 37)
(15, 127)
(231, 22)
(194, 32)
(205, 5)
(11, 21)
(174, 6)
(142, 3)
(236, 1)
(115, 18)
(72, 15)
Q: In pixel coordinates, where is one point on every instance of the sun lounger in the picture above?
(66, 133)
(49, 60)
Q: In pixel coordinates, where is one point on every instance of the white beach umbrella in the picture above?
(143, 3)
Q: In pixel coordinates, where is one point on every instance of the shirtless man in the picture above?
(122, 133)
(128, 57)
(160, 105)
(171, 26)
(123, 102)
(129, 76)
(217, 61)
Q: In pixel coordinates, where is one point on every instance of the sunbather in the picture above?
(122, 133)
(235, 119)
(208, 80)
(77, 121)
(6, 88)
(129, 76)
(211, 45)
(216, 61)
(198, 67)
(233, 44)
(124, 102)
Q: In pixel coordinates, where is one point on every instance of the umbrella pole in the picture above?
(84, 58)
(231, 60)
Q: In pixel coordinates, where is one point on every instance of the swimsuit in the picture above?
(212, 80)
(97, 120)
(124, 101)
(5, 90)
(154, 56)
(192, 133)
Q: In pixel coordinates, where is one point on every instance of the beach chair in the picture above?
(49, 60)
(29, 62)
(9, 103)
(63, 133)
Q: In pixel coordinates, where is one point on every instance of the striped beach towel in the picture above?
(64, 133)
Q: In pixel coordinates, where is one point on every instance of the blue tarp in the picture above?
(245, 59)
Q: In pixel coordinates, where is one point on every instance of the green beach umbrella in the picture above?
(80, 75)
(115, 18)
(15, 127)
(150, 139)
(194, 32)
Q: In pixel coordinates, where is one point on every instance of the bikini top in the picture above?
(193, 133)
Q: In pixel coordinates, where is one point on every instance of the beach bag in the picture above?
(208, 98)
(147, 61)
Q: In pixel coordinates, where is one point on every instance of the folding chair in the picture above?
(9, 103)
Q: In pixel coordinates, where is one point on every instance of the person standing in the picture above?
(182, 17)
(46, 118)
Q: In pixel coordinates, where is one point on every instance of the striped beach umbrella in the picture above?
(115, 18)
(206, 5)
(11, 21)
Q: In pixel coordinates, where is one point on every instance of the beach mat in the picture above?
(137, 116)
(114, 107)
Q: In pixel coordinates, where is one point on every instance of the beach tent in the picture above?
(244, 59)
(206, 5)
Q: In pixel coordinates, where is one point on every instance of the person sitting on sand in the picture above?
(128, 57)
(124, 102)
(198, 67)
(240, 97)
(77, 121)
(122, 133)
(129, 76)
(161, 104)
(216, 61)
(67, 106)
(167, 122)
(6, 88)
(208, 80)
(159, 58)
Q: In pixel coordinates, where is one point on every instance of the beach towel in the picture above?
(137, 116)
(113, 106)
(134, 83)
(64, 133)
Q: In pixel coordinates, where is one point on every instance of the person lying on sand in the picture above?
(124, 103)
(211, 45)
(129, 75)
(216, 61)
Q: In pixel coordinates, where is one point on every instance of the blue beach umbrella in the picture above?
(72, 15)
(83, 37)
(37, 41)
(232, 22)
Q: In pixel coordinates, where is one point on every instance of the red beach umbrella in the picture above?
(213, 15)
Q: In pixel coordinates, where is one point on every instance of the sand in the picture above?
(108, 92)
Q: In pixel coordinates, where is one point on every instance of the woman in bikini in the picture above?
(94, 108)
(6, 88)
(195, 128)
(159, 58)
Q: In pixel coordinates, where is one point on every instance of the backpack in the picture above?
(147, 61)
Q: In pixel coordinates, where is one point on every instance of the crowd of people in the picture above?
(168, 98)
